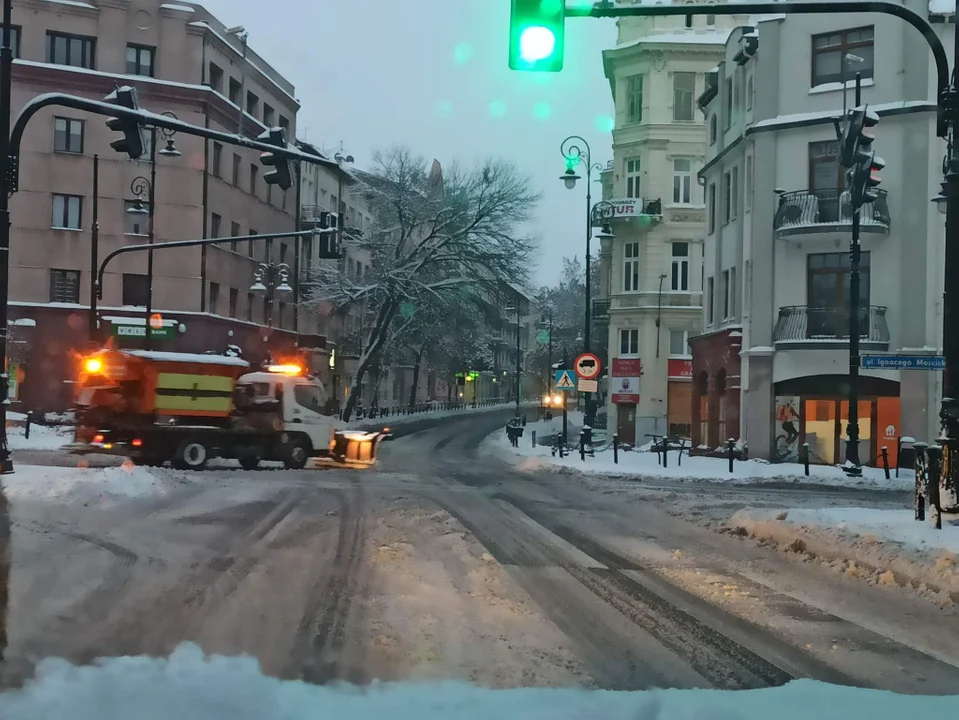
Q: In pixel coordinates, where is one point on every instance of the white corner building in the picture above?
(771, 367)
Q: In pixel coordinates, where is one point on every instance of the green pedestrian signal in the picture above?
(537, 30)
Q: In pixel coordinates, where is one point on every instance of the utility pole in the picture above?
(518, 358)
(6, 83)
(853, 462)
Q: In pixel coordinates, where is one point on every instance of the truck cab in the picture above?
(298, 402)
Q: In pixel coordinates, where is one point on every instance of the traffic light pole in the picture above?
(6, 84)
(853, 462)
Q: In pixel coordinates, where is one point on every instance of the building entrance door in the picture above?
(626, 423)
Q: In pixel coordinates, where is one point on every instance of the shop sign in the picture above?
(680, 369)
(624, 382)
(140, 331)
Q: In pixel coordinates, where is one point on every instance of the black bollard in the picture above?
(616, 449)
(921, 477)
(26, 431)
(582, 446)
(534, 438)
(665, 453)
(731, 447)
(805, 457)
(885, 460)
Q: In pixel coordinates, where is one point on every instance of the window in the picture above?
(632, 178)
(634, 99)
(234, 232)
(684, 88)
(749, 181)
(136, 223)
(215, 79)
(738, 90)
(252, 104)
(712, 208)
(734, 187)
(140, 60)
(269, 115)
(747, 280)
(725, 289)
(682, 180)
(235, 88)
(282, 252)
(679, 279)
(147, 147)
(825, 170)
(237, 162)
(251, 248)
(214, 297)
(710, 21)
(136, 289)
(308, 396)
(727, 197)
(709, 300)
(729, 103)
(280, 312)
(750, 89)
(732, 292)
(234, 297)
(631, 267)
(64, 286)
(629, 342)
(254, 173)
(15, 34)
(831, 50)
(217, 159)
(67, 135)
(268, 250)
(285, 124)
(75, 50)
(67, 212)
(249, 306)
(713, 129)
(679, 343)
(215, 221)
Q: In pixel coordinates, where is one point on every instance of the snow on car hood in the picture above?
(191, 686)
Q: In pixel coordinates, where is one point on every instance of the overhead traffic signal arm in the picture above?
(537, 33)
(132, 143)
(281, 174)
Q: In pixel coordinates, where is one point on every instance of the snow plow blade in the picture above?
(356, 448)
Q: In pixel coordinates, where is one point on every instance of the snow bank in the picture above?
(189, 685)
(884, 546)
(81, 485)
(703, 469)
(42, 437)
(393, 420)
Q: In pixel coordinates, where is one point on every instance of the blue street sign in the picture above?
(565, 380)
(903, 362)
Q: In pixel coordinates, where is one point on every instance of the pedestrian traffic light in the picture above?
(537, 35)
(865, 179)
(281, 173)
(132, 143)
(855, 137)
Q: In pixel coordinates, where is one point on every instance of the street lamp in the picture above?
(146, 189)
(576, 150)
(270, 279)
(518, 363)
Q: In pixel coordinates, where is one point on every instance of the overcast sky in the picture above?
(432, 74)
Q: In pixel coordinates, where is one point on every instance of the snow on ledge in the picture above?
(188, 357)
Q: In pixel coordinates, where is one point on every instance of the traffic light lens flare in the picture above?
(536, 43)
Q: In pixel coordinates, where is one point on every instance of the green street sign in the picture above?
(542, 337)
(407, 310)
(140, 331)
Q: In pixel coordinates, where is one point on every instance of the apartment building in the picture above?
(651, 286)
(771, 366)
(182, 61)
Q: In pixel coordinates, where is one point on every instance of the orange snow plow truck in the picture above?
(187, 408)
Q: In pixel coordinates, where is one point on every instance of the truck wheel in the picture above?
(297, 455)
(191, 454)
(250, 462)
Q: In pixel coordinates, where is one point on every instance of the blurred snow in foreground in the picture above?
(189, 685)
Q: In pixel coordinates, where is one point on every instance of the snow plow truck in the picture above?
(187, 409)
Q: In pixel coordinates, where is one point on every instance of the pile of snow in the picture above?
(79, 484)
(391, 420)
(643, 464)
(189, 685)
(888, 547)
(42, 437)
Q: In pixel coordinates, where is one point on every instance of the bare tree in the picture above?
(435, 234)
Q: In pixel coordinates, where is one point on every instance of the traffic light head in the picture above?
(281, 174)
(537, 30)
(865, 178)
(132, 143)
(856, 137)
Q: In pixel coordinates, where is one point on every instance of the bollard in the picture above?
(731, 446)
(885, 461)
(805, 457)
(582, 446)
(934, 462)
(534, 438)
(665, 453)
(26, 431)
(921, 477)
(616, 449)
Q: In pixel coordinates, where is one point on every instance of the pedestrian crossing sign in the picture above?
(565, 380)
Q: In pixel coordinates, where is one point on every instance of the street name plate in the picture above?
(903, 362)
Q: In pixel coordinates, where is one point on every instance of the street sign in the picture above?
(140, 331)
(565, 380)
(587, 366)
(903, 362)
(589, 386)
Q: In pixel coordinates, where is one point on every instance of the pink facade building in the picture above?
(181, 60)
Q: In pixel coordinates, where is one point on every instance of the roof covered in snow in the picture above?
(188, 358)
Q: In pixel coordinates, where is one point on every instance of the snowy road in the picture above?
(443, 563)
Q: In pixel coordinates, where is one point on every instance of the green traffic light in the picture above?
(536, 43)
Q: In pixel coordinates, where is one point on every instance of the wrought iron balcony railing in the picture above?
(798, 323)
(805, 211)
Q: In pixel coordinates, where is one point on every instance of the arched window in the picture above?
(701, 408)
(712, 129)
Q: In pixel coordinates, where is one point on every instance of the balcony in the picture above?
(805, 212)
(647, 300)
(600, 310)
(801, 326)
